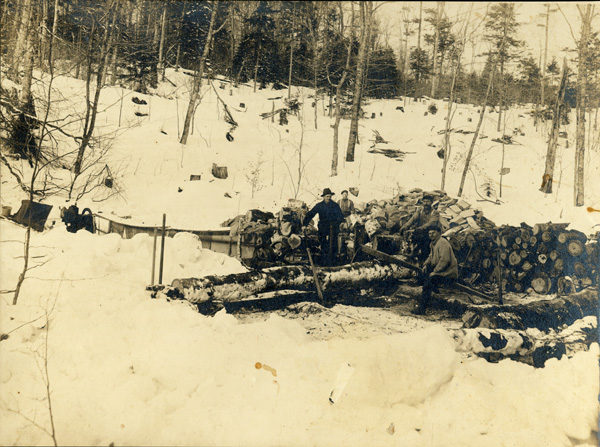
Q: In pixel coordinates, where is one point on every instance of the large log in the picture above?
(396, 260)
(543, 314)
(497, 344)
(238, 286)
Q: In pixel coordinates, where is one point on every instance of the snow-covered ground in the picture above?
(126, 369)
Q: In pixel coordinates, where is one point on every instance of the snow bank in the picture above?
(134, 371)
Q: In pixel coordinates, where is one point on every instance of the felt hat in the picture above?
(326, 192)
(435, 226)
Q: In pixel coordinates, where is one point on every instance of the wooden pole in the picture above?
(153, 257)
(162, 249)
(331, 255)
(315, 276)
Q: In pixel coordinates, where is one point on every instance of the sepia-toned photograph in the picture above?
(299, 223)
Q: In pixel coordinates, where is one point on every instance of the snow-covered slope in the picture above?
(151, 166)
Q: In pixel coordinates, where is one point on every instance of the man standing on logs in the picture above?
(330, 217)
(346, 204)
(439, 268)
(419, 225)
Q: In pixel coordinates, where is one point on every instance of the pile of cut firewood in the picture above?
(545, 258)
(548, 258)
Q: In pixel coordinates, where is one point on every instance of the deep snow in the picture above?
(130, 370)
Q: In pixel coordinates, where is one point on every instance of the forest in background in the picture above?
(339, 49)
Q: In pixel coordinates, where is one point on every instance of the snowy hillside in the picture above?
(122, 368)
(151, 166)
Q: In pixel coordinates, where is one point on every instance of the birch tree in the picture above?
(586, 13)
(548, 177)
(484, 105)
(198, 74)
(106, 44)
(338, 89)
(365, 16)
(459, 53)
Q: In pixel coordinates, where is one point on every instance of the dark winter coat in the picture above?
(421, 219)
(329, 213)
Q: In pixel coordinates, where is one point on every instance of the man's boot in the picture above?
(419, 309)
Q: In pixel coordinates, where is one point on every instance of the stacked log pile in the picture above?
(278, 239)
(545, 258)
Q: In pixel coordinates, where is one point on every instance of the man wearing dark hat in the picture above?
(439, 268)
(330, 217)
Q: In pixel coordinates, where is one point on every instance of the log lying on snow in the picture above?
(533, 349)
(239, 286)
(543, 314)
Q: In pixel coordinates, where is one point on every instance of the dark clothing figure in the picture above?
(330, 217)
(422, 219)
(347, 206)
(440, 268)
(418, 226)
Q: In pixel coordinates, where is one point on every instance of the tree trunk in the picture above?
(290, 67)
(366, 9)
(548, 176)
(582, 80)
(23, 32)
(237, 286)
(542, 97)
(179, 28)
(44, 38)
(501, 100)
(160, 66)
(476, 134)
(194, 96)
(451, 102)
(315, 88)
(92, 109)
(28, 62)
(434, 81)
(256, 65)
(338, 112)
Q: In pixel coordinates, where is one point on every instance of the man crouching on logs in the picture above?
(416, 228)
(330, 217)
(438, 269)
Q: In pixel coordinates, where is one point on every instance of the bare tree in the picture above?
(108, 23)
(407, 32)
(313, 17)
(338, 91)
(478, 128)
(160, 66)
(548, 177)
(199, 73)
(459, 53)
(586, 15)
(438, 16)
(366, 16)
(36, 168)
